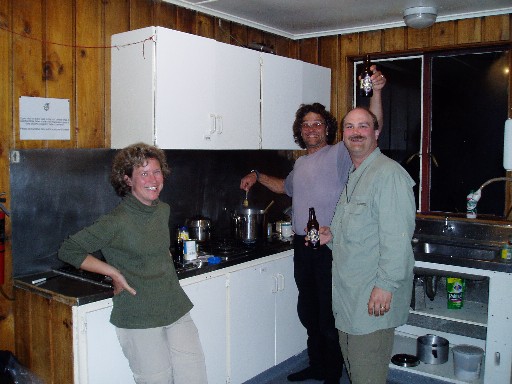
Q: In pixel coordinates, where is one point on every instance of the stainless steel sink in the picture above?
(456, 251)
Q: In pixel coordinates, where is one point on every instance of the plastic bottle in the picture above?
(506, 251)
(455, 287)
(472, 200)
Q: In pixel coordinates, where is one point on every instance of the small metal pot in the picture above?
(432, 349)
(199, 228)
(249, 225)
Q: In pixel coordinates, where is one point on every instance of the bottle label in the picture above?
(366, 84)
(455, 291)
(314, 237)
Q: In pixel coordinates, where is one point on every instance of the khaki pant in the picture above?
(367, 357)
(165, 355)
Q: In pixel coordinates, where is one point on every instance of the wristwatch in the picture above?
(257, 174)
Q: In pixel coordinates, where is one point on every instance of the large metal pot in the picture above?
(432, 349)
(249, 225)
(199, 228)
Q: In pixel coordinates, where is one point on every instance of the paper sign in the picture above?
(44, 118)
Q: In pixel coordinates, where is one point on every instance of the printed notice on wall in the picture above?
(42, 118)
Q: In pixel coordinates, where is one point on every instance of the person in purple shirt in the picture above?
(317, 180)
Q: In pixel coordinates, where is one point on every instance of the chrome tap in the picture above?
(475, 197)
(447, 227)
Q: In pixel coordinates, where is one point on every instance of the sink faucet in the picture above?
(473, 197)
(447, 227)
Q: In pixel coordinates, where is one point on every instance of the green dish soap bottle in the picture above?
(455, 287)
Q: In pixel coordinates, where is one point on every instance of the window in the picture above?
(466, 94)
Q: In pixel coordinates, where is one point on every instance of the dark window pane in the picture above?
(469, 109)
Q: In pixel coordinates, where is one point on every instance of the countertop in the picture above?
(72, 291)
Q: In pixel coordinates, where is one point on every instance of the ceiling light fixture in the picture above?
(420, 17)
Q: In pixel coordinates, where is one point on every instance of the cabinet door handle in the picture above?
(497, 358)
(218, 124)
(275, 288)
(280, 282)
(213, 121)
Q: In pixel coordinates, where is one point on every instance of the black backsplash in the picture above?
(56, 192)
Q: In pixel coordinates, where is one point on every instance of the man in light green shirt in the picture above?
(370, 236)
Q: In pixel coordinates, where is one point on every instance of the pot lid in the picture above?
(405, 360)
(198, 221)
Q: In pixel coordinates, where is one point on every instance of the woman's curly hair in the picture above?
(129, 158)
(331, 125)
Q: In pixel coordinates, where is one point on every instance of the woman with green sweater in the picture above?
(150, 309)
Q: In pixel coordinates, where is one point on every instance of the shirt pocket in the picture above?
(357, 219)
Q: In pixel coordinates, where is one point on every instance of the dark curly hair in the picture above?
(129, 158)
(331, 125)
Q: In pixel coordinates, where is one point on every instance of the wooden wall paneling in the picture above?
(6, 143)
(165, 14)
(185, 20)
(58, 62)
(371, 42)
(41, 358)
(22, 310)
(205, 25)
(90, 75)
(238, 34)
(496, 28)
(349, 47)
(469, 31)
(283, 47)
(393, 39)
(222, 30)
(417, 38)
(61, 341)
(254, 36)
(117, 20)
(269, 40)
(309, 50)
(27, 60)
(294, 49)
(141, 14)
(328, 56)
(443, 34)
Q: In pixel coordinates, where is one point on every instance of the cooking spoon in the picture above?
(268, 206)
(246, 202)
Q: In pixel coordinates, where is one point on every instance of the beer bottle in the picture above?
(365, 81)
(312, 228)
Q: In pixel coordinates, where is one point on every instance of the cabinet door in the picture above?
(291, 336)
(281, 96)
(251, 320)
(316, 85)
(285, 85)
(209, 314)
(101, 341)
(132, 88)
(237, 98)
(185, 97)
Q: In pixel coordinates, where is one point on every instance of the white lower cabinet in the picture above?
(264, 326)
(494, 318)
(246, 316)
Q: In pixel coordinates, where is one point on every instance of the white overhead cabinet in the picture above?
(182, 91)
(285, 85)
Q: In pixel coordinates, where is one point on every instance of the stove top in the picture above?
(230, 251)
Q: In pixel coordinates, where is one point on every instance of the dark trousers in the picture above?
(313, 276)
